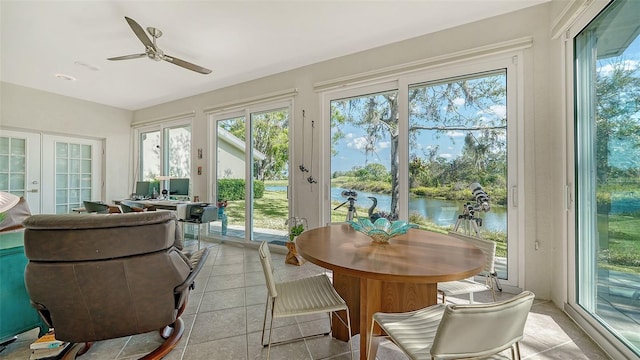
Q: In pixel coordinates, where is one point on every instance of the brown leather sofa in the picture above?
(101, 276)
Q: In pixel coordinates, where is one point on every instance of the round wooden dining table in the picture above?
(399, 276)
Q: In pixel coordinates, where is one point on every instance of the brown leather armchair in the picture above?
(102, 276)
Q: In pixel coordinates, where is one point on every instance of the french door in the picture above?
(20, 166)
(252, 178)
(74, 167)
(54, 173)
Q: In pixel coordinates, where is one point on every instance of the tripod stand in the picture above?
(470, 224)
(469, 221)
(351, 210)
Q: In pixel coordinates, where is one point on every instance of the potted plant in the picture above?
(222, 216)
(295, 231)
(296, 227)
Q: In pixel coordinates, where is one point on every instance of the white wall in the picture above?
(542, 181)
(37, 111)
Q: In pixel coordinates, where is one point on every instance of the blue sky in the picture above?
(351, 149)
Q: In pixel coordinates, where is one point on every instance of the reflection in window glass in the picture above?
(150, 155)
(607, 73)
(178, 152)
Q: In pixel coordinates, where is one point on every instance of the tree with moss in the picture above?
(466, 105)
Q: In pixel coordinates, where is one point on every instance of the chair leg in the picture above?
(494, 276)
(373, 343)
(270, 333)
(349, 329)
(264, 322)
(444, 300)
(370, 341)
(489, 282)
(169, 343)
(517, 344)
(77, 350)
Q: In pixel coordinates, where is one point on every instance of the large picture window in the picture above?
(458, 149)
(164, 150)
(607, 168)
(429, 148)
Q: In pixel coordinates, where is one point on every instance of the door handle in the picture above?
(33, 190)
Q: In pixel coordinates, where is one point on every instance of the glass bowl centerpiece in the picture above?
(382, 229)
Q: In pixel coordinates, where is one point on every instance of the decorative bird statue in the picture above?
(373, 217)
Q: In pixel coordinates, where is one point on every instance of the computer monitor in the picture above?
(179, 187)
(143, 188)
(154, 185)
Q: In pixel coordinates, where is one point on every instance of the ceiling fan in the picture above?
(153, 52)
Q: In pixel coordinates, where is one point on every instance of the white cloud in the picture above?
(446, 156)
(458, 101)
(349, 136)
(499, 110)
(358, 143)
(607, 70)
(455, 133)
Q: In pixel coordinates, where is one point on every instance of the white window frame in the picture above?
(512, 60)
(245, 109)
(596, 330)
(157, 126)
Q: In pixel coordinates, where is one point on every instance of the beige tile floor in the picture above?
(225, 313)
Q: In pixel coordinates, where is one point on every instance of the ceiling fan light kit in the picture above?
(153, 52)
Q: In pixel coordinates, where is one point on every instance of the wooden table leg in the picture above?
(367, 296)
(370, 302)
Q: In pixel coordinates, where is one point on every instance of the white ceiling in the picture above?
(238, 40)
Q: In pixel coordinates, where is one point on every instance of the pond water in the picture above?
(437, 211)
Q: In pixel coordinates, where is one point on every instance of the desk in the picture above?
(180, 207)
(395, 277)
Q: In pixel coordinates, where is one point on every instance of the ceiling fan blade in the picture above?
(128, 57)
(139, 31)
(186, 65)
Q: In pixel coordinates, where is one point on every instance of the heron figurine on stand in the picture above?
(373, 216)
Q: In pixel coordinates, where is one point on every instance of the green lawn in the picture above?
(621, 250)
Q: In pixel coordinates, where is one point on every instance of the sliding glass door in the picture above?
(252, 179)
(364, 156)
(231, 176)
(458, 170)
(270, 174)
(607, 170)
(439, 148)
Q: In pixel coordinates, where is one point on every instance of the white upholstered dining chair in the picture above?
(470, 286)
(311, 295)
(456, 331)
